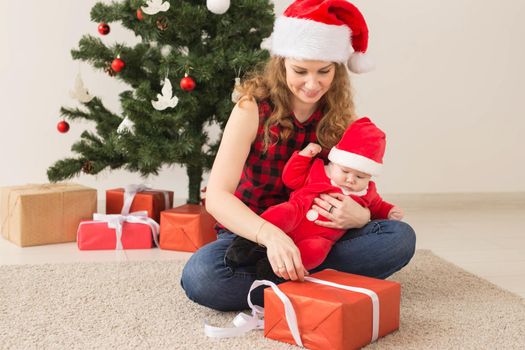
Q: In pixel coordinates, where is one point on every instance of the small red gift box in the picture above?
(109, 232)
(135, 198)
(186, 228)
(331, 317)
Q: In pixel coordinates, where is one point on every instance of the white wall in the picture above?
(446, 90)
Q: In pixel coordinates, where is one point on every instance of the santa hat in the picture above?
(361, 148)
(324, 30)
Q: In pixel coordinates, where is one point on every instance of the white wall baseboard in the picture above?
(457, 200)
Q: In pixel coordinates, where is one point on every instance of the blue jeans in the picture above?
(379, 249)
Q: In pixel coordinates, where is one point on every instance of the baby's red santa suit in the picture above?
(361, 148)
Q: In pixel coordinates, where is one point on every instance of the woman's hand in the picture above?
(342, 211)
(283, 254)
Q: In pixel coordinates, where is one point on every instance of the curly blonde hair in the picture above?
(270, 83)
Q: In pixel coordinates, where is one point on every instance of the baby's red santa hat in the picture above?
(362, 148)
(323, 30)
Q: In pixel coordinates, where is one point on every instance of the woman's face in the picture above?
(309, 80)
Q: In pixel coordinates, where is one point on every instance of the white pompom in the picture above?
(218, 6)
(360, 62)
(312, 215)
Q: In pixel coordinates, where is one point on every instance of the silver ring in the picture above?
(331, 209)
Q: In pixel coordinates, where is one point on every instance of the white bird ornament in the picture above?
(166, 99)
(155, 6)
(79, 92)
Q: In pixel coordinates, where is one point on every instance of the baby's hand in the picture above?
(311, 150)
(395, 213)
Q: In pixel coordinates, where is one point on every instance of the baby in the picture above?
(353, 161)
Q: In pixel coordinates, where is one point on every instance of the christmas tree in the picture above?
(184, 42)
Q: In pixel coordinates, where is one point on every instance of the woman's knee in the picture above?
(406, 238)
(199, 275)
(192, 275)
(401, 247)
(207, 281)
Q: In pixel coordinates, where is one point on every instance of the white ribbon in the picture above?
(245, 323)
(131, 190)
(139, 217)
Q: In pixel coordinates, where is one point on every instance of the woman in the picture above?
(302, 96)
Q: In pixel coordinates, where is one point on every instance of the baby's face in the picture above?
(348, 178)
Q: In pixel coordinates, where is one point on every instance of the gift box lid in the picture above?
(33, 189)
(146, 191)
(334, 295)
(191, 209)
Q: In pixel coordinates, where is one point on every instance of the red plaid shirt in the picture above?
(261, 185)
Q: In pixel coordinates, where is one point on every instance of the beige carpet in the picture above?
(141, 305)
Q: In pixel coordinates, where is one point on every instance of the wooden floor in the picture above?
(483, 234)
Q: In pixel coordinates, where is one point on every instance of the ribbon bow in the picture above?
(245, 323)
(131, 190)
(139, 217)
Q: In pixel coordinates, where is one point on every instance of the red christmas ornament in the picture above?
(63, 126)
(140, 17)
(187, 83)
(117, 65)
(103, 28)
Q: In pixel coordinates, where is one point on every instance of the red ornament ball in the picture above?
(140, 17)
(187, 83)
(63, 126)
(117, 65)
(103, 28)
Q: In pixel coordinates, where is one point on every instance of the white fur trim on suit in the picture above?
(355, 161)
(310, 40)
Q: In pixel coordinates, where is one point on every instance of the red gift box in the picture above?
(186, 228)
(109, 232)
(330, 317)
(139, 198)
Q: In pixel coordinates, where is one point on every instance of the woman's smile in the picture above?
(310, 93)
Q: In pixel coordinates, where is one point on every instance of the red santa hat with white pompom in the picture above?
(324, 30)
(362, 147)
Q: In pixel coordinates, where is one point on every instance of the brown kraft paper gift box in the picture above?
(44, 214)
